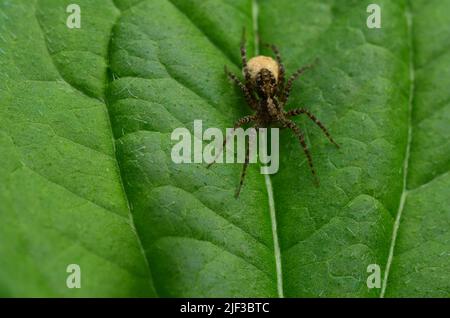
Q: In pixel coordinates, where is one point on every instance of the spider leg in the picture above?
(247, 93)
(245, 166)
(301, 137)
(298, 111)
(244, 169)
(281, 76)
(247, 75)
(290, 82)
(239, 123)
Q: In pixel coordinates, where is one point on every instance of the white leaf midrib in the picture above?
(407, 152)
(268, 182)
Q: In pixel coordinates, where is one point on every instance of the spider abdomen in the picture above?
(258, 63)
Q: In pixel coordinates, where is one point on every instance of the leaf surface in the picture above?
(87, 177)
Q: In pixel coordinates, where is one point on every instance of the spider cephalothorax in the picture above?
(267, 92)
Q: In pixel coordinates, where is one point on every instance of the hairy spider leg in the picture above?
(298, 111)
(248, 79)
(245, 166)
(239, 123)
(290, 82)
(245, 90)
(301, 137)
(281, 75)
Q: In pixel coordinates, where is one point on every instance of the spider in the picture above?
(267, 92)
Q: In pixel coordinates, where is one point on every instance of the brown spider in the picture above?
(266, 92)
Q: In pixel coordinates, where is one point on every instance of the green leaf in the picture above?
(86, 117)
(421, 259)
